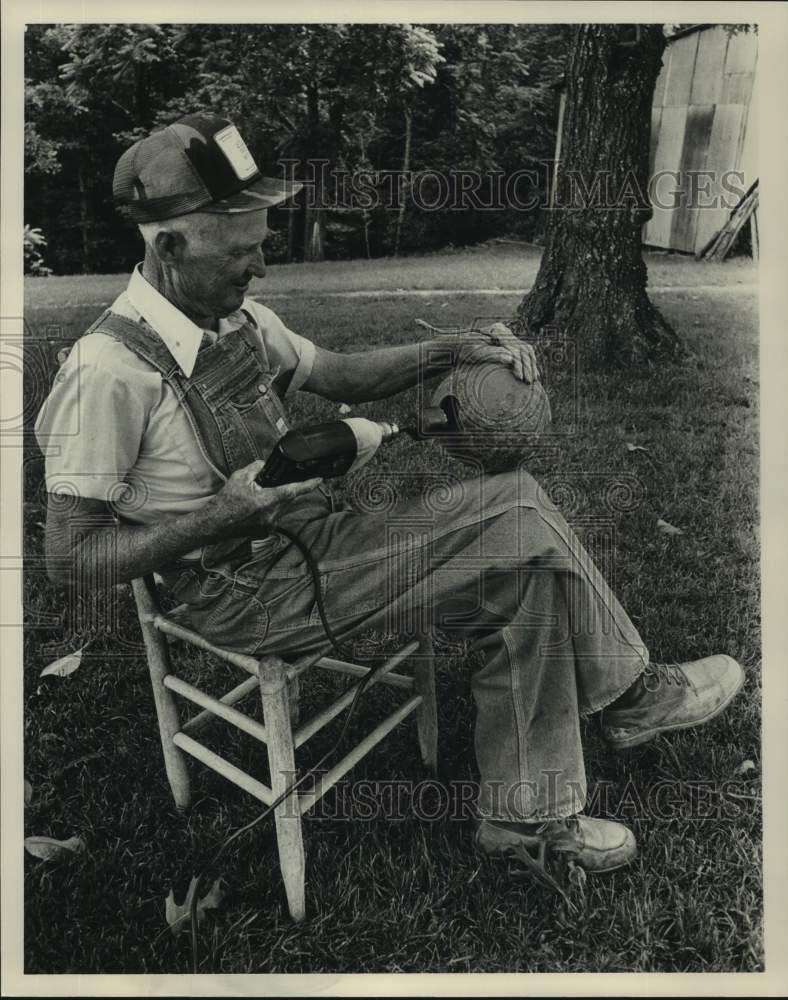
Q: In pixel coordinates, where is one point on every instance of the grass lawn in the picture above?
(488, 266)
(410, 894)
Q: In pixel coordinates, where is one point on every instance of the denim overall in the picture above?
(234, 406)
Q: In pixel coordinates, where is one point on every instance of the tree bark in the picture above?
(591, 285)
(291, 219)
(313, 215)
(403, 187)
(84, 220)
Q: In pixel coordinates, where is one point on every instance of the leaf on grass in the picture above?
(745, 766)
(28, 792)
(668, 529)
(178, 915)
(64, 666)
(49, 849)
(635, 447)
(344, 409)
(577, 877)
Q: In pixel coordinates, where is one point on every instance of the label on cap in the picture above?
(235, 149)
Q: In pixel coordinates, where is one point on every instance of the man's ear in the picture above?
(170, 245)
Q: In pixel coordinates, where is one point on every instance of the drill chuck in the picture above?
(336, 447)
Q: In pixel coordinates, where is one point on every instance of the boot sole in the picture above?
(586, 869)
(641, 738)
(610, 868)
(589, 870)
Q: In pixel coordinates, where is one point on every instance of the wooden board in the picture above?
(748, 162)
(680, 70)
(709, 66)
(736, 88)
(656, 125)
(722, 155)
(670, 144)
(740, 62)
(697, 133)
(742, 53)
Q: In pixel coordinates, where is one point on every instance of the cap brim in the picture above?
(263, 193)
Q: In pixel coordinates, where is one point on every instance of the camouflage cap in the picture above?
(199, 163)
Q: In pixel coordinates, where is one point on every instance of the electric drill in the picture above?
(336, 447)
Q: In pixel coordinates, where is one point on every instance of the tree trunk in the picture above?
(591, 285)
(313, 235)
(313, 216)
(291, 225)
(403, 187)
(84, 219)
(366, 219)
(366, 224)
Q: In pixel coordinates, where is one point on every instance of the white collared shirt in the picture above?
(112, 429)
(181, 336)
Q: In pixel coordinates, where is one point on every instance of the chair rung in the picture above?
(231, 698)
(356, 670)
(163, 624)
(316, 723)
(330, 778)
(224, 767)
(300, 666)
(224, 711)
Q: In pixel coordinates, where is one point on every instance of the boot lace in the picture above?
(657, 674)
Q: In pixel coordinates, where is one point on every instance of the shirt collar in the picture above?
(181, 336)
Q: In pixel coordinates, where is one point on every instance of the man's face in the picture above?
(220, 259)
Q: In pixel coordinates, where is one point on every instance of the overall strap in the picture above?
(151, 348)
(249, 332)
(138, 338)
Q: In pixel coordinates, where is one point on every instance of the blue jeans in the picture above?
(490, 560)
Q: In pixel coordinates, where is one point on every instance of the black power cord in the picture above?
(363, 684)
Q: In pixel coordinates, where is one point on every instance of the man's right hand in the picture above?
(242, 504)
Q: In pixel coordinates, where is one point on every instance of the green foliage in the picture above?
(33, 241)
(479, 97)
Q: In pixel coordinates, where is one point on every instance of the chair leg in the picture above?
(174, 757)
(281, 757)
(293, 696)
(427, 712)
(158, 655)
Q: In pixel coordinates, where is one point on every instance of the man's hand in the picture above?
(242, 504)
(498, 344)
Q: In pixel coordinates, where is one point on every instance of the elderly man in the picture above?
(182, 387)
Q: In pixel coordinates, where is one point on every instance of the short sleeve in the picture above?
(293, 353)
(91, 425)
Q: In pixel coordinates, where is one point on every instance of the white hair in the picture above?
(198, 226)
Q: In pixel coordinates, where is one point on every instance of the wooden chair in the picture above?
(281, 734)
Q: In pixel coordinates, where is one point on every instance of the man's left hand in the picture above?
(498, 344)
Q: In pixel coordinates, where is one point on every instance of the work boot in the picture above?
(671, 696)
(597, 845)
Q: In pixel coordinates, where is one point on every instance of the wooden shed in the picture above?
(703, 119)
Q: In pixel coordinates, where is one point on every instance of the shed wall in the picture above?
(702, 132)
